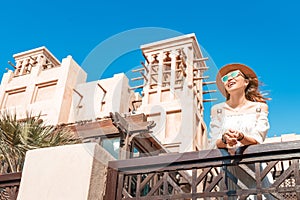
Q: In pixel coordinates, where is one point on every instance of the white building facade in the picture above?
(171, 94)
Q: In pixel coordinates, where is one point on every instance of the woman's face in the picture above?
(234, 80)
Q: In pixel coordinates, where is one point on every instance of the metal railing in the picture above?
(265, 171)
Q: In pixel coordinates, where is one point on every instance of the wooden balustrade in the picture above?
(9, 185)
(273, 168)
(199, 175)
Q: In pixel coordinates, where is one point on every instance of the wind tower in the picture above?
(172, 93)
(41, 85)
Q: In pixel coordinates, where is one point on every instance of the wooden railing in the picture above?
(9, 185)
(266, 171)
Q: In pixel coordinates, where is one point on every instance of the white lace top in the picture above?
(251, 121)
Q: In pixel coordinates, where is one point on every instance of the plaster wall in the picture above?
(98, 98)
(173, 93)
(44, 91)
(71, 172)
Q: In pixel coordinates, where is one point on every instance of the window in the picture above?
(112, 145)
(44, 91)
(15, 97)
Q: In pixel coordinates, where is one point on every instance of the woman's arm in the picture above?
(231, 138)
(262, 124)
(260, 130)
(215, 126)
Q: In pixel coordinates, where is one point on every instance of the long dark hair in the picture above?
(252, 92)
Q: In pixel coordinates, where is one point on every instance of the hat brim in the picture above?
(231, 67)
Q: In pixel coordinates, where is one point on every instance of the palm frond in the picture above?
(19, 136)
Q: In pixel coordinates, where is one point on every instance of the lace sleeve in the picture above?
(261, 128)
(215, 126)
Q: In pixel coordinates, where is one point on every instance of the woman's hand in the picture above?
(230, 136)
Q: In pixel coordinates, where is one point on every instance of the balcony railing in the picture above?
(266, 171)
(9, 185)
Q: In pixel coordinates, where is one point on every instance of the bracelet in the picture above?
(223, 139)
(241, 138)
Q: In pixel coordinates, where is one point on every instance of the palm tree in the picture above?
(17, 137)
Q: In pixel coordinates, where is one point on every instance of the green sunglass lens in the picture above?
(225, 78)
(234, 74)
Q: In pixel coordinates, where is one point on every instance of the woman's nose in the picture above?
(229, 78)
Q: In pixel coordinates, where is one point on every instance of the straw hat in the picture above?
(231, 67)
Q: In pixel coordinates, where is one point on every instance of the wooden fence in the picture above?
(262, 171)
(9, 186)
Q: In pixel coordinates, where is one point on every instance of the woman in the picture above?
(241, 120)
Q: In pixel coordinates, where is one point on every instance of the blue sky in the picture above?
(262, 34)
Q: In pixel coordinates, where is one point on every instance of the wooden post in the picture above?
(111, 184)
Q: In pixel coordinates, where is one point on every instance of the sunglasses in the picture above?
(233, 74)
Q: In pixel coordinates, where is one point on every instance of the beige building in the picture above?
(283, 138)
(172, 92)
(40, 84)
(173, 74)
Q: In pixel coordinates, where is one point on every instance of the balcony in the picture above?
(199, 175)
(273, 168)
